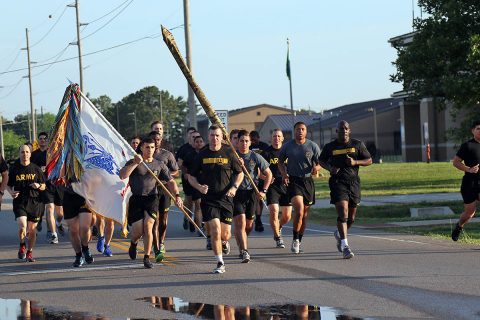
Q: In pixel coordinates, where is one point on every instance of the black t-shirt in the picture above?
(3, 165)
(183, 151)
(335, 153)
(39, 157)
(469, 152)
(272, 156)
(216, 169)
(142, 183)
(189, 159)
(20, 178)
(259, 148)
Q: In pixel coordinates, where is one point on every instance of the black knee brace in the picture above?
(341, 219)
(350, 222)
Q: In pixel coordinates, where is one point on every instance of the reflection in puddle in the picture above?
(16, 309)
(224, 312)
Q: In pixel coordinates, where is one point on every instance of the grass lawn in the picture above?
(470, 234)
(401, 178)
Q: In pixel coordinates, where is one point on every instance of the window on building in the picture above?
(258, 113)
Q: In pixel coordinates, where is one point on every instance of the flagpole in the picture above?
(109, 125)
(289, 75)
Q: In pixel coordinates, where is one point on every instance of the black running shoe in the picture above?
(147, 263)
(456, 232)
(259, 225)
(79, 261)
(132, 251)
(88, 256)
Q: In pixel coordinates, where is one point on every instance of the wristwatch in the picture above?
(235, 186)
(264, 190)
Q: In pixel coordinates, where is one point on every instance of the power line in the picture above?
(11, 91)
(154, 36)
(108, 22)
(93, 21)
(51, 28)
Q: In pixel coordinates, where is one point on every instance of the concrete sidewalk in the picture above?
(397, 199)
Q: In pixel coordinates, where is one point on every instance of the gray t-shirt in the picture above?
(252, 162)
(301, 157)
(142, 183)
(167, 158)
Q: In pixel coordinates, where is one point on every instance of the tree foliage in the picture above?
(443, 60)
(12, 142)
(146, 105)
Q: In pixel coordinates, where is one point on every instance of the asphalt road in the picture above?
(391, 277)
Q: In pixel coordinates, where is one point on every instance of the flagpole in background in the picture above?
(289, 76)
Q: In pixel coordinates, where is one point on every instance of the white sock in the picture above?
(344, 243)
(219, 258)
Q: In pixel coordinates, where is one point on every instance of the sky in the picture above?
(339, 50)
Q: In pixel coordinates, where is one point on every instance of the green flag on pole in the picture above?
(289, 76)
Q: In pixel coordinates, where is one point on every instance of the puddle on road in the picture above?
(16, 309)
(259, 312)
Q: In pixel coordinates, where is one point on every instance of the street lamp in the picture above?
(374, 110)
(134, 114)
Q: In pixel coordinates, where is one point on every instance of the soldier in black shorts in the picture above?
(277, 192)
(164, 202)
(343, 157)
(52, 196)
(143, 204)
(246, 200)
(217, 174)
(303, 162)
(25, 183)
(258, 147)
(79, 219)
(467, 159)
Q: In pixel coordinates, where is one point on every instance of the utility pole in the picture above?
(79, 42)
(32, 109)
(192, 109)
(1, 136)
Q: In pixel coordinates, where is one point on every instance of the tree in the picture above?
(443, 60)
(12, 143)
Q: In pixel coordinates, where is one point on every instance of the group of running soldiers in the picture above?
(222, 187)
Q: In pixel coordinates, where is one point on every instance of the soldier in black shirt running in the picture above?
(143, 204)
(4, 174)
(467, 159)
(217, 174)
(303, 162)
(277, 192)
(25, 183)
(342, 157)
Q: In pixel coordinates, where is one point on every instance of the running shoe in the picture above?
(300, 248)
(30, 256)
(132, 251)
(245, 256)
(79, 261)
(280, 243)
(259, 225)
(22, 251)
(226, 248)
(39, 226)
(101, 244)
(456, 232)
(336, 234)
(296, 246)
(53, 238)
(107, 252)
(185, 223)
(61, 229)
(147, 263)
(220, 268)
(347, 253)
(161, 253)
(209, 243)
(88, 256)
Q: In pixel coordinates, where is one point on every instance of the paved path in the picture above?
(398, 199)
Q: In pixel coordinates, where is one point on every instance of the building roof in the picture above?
(262, 105)
(284, 121)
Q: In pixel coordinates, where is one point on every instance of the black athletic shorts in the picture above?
(245, 202)
(73, 205)
(217, 207)
(277, 194)
(138, 205)
(196, 194)
(53, 194)
(32, 208)
(302, 187)
(187, 187)
(345, 190)
(164, 201)
(470, 189)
